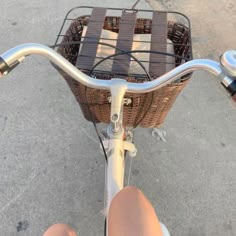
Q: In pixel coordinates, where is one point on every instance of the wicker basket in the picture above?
(146, 110)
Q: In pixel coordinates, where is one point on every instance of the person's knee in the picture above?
(60, 230)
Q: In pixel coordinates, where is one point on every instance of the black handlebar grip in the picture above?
(4, 67)
(234, 97)
(232, 88)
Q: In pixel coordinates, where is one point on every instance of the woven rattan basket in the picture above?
(146, 110)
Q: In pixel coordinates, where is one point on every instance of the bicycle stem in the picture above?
(118, 90)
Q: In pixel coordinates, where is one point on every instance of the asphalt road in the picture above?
(51, 167)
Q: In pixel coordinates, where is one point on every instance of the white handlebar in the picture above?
(11, 58)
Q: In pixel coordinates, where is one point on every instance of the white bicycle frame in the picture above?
(115, 146)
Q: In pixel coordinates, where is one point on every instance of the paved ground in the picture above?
(51, 169)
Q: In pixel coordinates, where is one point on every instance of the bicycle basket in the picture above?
(81, 45)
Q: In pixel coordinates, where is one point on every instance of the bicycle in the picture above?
(115, 145)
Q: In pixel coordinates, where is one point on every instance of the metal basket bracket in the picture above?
(126, 101)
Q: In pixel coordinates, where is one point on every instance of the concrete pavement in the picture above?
(51, 168)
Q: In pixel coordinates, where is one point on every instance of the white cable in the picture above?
(130, 167)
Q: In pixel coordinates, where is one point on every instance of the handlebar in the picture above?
(225, 70)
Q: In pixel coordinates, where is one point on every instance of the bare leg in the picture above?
(132, 214)
(60, 230)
